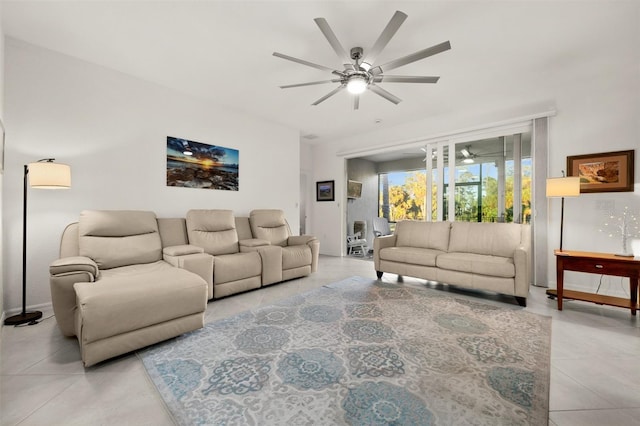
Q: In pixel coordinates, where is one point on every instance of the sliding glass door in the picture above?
(485, 180)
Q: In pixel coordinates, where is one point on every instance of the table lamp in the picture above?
(563, 187)
(44, 174)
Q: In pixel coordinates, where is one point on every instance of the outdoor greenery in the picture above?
(407, 200)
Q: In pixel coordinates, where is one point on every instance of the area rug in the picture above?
(360, 352)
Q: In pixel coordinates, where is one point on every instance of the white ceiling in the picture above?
(222, 50)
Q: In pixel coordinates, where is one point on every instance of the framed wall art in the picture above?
(354, 189)
(603, 172)
(325, 190)
(199, 165)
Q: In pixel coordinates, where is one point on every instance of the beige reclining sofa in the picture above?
(250, 252)
(126, 279)
(486, 256)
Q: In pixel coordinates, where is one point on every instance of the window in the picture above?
(486, 172)
(402, 195)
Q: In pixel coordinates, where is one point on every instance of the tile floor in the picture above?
(595, 363)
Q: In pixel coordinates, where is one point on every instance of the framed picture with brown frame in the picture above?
(325, 190)
(603, 172)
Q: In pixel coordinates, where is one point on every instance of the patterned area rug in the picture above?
(360, 352)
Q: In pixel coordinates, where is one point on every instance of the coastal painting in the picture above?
(199, 165)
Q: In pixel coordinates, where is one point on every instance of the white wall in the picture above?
(328, 217)
(1, 174)
(597, 99)
(111, 129)
(307, 192)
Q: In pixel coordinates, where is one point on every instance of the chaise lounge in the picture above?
(112, 289)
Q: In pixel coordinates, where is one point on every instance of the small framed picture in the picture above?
(603, 172)
(325, 190)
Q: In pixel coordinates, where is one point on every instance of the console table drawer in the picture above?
(593, 266)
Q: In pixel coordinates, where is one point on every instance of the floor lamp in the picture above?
(563, 187)
(44, 174)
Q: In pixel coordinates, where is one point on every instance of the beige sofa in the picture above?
(126, 279)
(486, 256)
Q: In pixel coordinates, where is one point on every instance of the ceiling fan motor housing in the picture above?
(356, 53)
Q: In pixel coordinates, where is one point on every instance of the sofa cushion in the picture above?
(497, 239)
(119, 238)
(213, 230)
(234, 267)
(421, 234)
(173, 231)
(411, 255)
(139, 269)
(270, 225)
(243, 228)
(122, 303)
(296, 256)
(477, 264)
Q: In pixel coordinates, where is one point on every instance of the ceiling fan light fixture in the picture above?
(362, 73)
(357, 84)
(468, 161)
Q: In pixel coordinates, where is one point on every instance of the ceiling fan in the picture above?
(467, 156)
(362, 72)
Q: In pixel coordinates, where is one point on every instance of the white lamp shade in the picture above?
(49, 175)
(563, 187)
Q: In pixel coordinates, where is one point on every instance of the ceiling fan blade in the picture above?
(288, 86)
(389, 31)
(328, 95)
(333, 40)
(303, 62)
(424, 53)
(356, 102)
(381, 92)
(404, 79)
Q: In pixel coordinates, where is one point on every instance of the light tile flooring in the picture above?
(595, 363)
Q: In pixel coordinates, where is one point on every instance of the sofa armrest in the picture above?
(63, 274)
(73, 264)
(521, 261)
(252, 244)
(192, 259)
(378, 244)
(271, 258)
(182, 250)
(298, 240)
(312, 242)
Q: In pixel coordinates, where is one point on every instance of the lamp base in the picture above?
(23, 318)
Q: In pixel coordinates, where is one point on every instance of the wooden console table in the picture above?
(597, 263)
